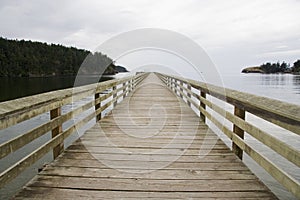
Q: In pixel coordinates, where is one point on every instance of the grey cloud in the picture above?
(234, 27)
(57, 20)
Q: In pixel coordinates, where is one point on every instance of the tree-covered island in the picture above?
(20, 58)
(271, 68)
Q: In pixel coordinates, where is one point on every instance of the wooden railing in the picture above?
(20, 110)
(280, 113)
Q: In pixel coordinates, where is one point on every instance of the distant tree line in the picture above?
(271, 68)
(275, 67)
(280, 67)
(20, 58)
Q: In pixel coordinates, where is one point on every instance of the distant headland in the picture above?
(274, 68)
(20, 58)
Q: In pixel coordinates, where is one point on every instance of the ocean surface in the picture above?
(284, 87)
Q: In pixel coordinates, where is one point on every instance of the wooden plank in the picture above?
(133, 184)
(138, 147)
(210, 158)
(154, 142)
(85, 154)
(68, 193)
(212, 163)
(170, 174)
(149, 154)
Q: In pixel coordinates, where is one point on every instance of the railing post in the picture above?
(60, 147)
(135, 83)
(114, 88)
(97, 106)
(124, 90)
(177, 87)
(181, 83)
(128, 86)
(189, 88)
(167, 81)
(131, 85)
(173, 84)
(238, 131)
(203, 95)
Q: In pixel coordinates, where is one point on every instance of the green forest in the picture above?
(20, 58)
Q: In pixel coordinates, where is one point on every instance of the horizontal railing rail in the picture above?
(103, 95)
(283, 114)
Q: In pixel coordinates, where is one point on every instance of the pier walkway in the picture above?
(151, 145)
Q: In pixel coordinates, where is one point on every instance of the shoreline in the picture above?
(277, 73)
(60, 76)
(262, 70)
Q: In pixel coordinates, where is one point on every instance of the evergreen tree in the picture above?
(296, 67)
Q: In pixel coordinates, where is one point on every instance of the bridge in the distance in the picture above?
(152, 144)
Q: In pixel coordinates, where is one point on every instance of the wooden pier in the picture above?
(151, 145)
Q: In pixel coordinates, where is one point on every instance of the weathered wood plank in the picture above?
(133, 184)
(148, 157)
(67, 193)
(213, 163)
(171, 174)
(155, 142)
(75, 154)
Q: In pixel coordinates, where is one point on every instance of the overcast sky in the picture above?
(234, 33)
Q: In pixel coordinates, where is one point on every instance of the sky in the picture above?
(234, 33)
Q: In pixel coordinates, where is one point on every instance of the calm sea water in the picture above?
(12, 88)
(282, 87)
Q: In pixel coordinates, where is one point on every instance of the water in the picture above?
(284, 87)
(12, 88)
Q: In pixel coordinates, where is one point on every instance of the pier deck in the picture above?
(151, 145)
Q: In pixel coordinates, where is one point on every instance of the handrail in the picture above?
(283, 114)
(19, 110)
